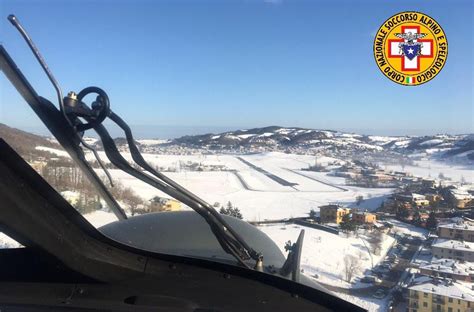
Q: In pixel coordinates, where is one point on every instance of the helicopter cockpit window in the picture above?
(329, 143)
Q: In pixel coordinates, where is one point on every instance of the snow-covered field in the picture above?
(255, 194)
(57, 152)
(100, 218)
(432, 169)
(323, 258)
(405, 228)
(323, 252)
(258, 196)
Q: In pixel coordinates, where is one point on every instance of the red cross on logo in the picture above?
(407, 64)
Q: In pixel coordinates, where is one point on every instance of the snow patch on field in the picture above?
(258, 197)
(370, 304)
(246, 136)
(409, 229)
(323, 257)
(431, 142)
(152, 141)
(54, 151)
(323, 252)
(432, 169)
(99, 218)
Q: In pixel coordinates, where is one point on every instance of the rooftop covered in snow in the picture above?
(453, 244)
(450, 266)
(458, 226)
(444, 287)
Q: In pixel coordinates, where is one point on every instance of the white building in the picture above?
(452, 249)
(443, 295)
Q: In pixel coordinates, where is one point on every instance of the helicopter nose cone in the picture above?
(185, 233)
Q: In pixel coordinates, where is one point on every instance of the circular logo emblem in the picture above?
(410, 48)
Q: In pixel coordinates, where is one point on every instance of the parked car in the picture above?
(380, 275)
(370, 279)
(379, 294)
(390, 305)
(380, 269)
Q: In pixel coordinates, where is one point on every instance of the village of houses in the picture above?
(437, 274)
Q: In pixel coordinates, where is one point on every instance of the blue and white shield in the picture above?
(411, 51)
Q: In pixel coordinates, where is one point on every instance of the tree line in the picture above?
(63, 175)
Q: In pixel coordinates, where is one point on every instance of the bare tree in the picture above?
(351, 267)
(131, 199)
(375, 240)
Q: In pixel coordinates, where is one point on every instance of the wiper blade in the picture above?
(138, 158)
(231, 239)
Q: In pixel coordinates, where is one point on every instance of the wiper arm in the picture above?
(55, 122)
(12, 18)
(72, 109)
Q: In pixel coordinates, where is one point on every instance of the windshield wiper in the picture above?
(69, 129)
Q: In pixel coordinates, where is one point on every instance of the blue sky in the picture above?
(198, 66)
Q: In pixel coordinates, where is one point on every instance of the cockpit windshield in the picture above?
(325, 143)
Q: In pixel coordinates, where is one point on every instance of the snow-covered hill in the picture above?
(280, 137)
(452, 148)
(456, 147)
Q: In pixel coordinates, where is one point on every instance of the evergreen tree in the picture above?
(347, 224)
(231, 211)
(402, 212)
(431, 222)
(417, 217)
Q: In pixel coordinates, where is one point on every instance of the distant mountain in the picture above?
(462, 148)
(453, 147)
(456, 148)
(275, 137)
(282, 137)
(121, 142)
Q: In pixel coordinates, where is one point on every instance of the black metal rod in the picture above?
(15, 22)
